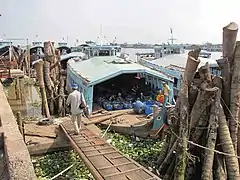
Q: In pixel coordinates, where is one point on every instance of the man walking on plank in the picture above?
(77, 104)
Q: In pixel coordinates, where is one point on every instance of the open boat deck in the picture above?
(103, 160)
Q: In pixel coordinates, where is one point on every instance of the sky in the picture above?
(145, 21)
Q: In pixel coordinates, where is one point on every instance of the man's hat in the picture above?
(74, 86)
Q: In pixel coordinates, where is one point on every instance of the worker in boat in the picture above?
(166, 92)
(119, 97)
(141, 96)
(160, 96)
(135, 88)
(112, 98)
(77, 104)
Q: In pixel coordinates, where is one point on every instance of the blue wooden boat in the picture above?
(88, 74)
(174, 64)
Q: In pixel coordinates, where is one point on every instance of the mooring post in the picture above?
(17, 89)
(155, 110)
(20, 122)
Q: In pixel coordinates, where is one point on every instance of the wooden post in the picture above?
(17, 89)
(235, 97)
(39, 70)
(191, 65)
(155, 110)
(19, 122)
(28, 60)
(229, 38)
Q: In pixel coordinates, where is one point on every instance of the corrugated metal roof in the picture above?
(180, 60)
(101, 68)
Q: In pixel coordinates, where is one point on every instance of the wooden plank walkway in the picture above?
(103, 160)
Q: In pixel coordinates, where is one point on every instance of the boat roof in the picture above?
(181, 59)
(72, 55)
(101, 68)
(104, 46)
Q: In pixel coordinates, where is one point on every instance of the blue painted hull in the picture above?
(160, 120)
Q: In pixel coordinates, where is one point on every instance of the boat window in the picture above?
(175, 82)
(104, 53)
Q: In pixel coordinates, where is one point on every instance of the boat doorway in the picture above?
(120, 92)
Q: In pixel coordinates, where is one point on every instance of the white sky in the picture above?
(146, 21)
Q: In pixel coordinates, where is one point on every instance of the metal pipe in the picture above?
(89, 165)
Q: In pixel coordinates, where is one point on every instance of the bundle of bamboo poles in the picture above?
(51, 81)
(203, 139)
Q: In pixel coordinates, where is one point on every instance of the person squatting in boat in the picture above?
(163, 94)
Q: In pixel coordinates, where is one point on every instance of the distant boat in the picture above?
(92, 49)
(4, 43)
(205, 54)
(37, 44)
(167, 49)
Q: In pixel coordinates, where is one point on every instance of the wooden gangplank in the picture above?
(103, 160)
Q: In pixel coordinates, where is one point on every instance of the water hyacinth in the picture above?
(144, 151)
(49, 165)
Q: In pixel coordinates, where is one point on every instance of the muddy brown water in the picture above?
(27, 101)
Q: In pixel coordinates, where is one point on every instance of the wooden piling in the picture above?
(155, 110)
(17, 89)
(20, 123)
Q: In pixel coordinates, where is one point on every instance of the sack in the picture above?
(86, 112)
(82, 105)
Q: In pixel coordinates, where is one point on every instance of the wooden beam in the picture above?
(115, 165)
(41, 149)
(123, 172)
(103, 153)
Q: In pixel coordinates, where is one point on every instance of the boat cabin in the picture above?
(103, 78)
(167, 49)
(63, 48)
(205, 54)
(37, 44)
(92, 50)
(36, 51)
(147, 56)
(4, 43)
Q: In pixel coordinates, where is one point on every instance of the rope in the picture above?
(203, 147)
(228, 109)
(69, 167)
(107, 129)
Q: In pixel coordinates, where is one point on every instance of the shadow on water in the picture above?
(24, 96)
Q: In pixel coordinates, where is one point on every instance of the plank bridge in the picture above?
(103, 160)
